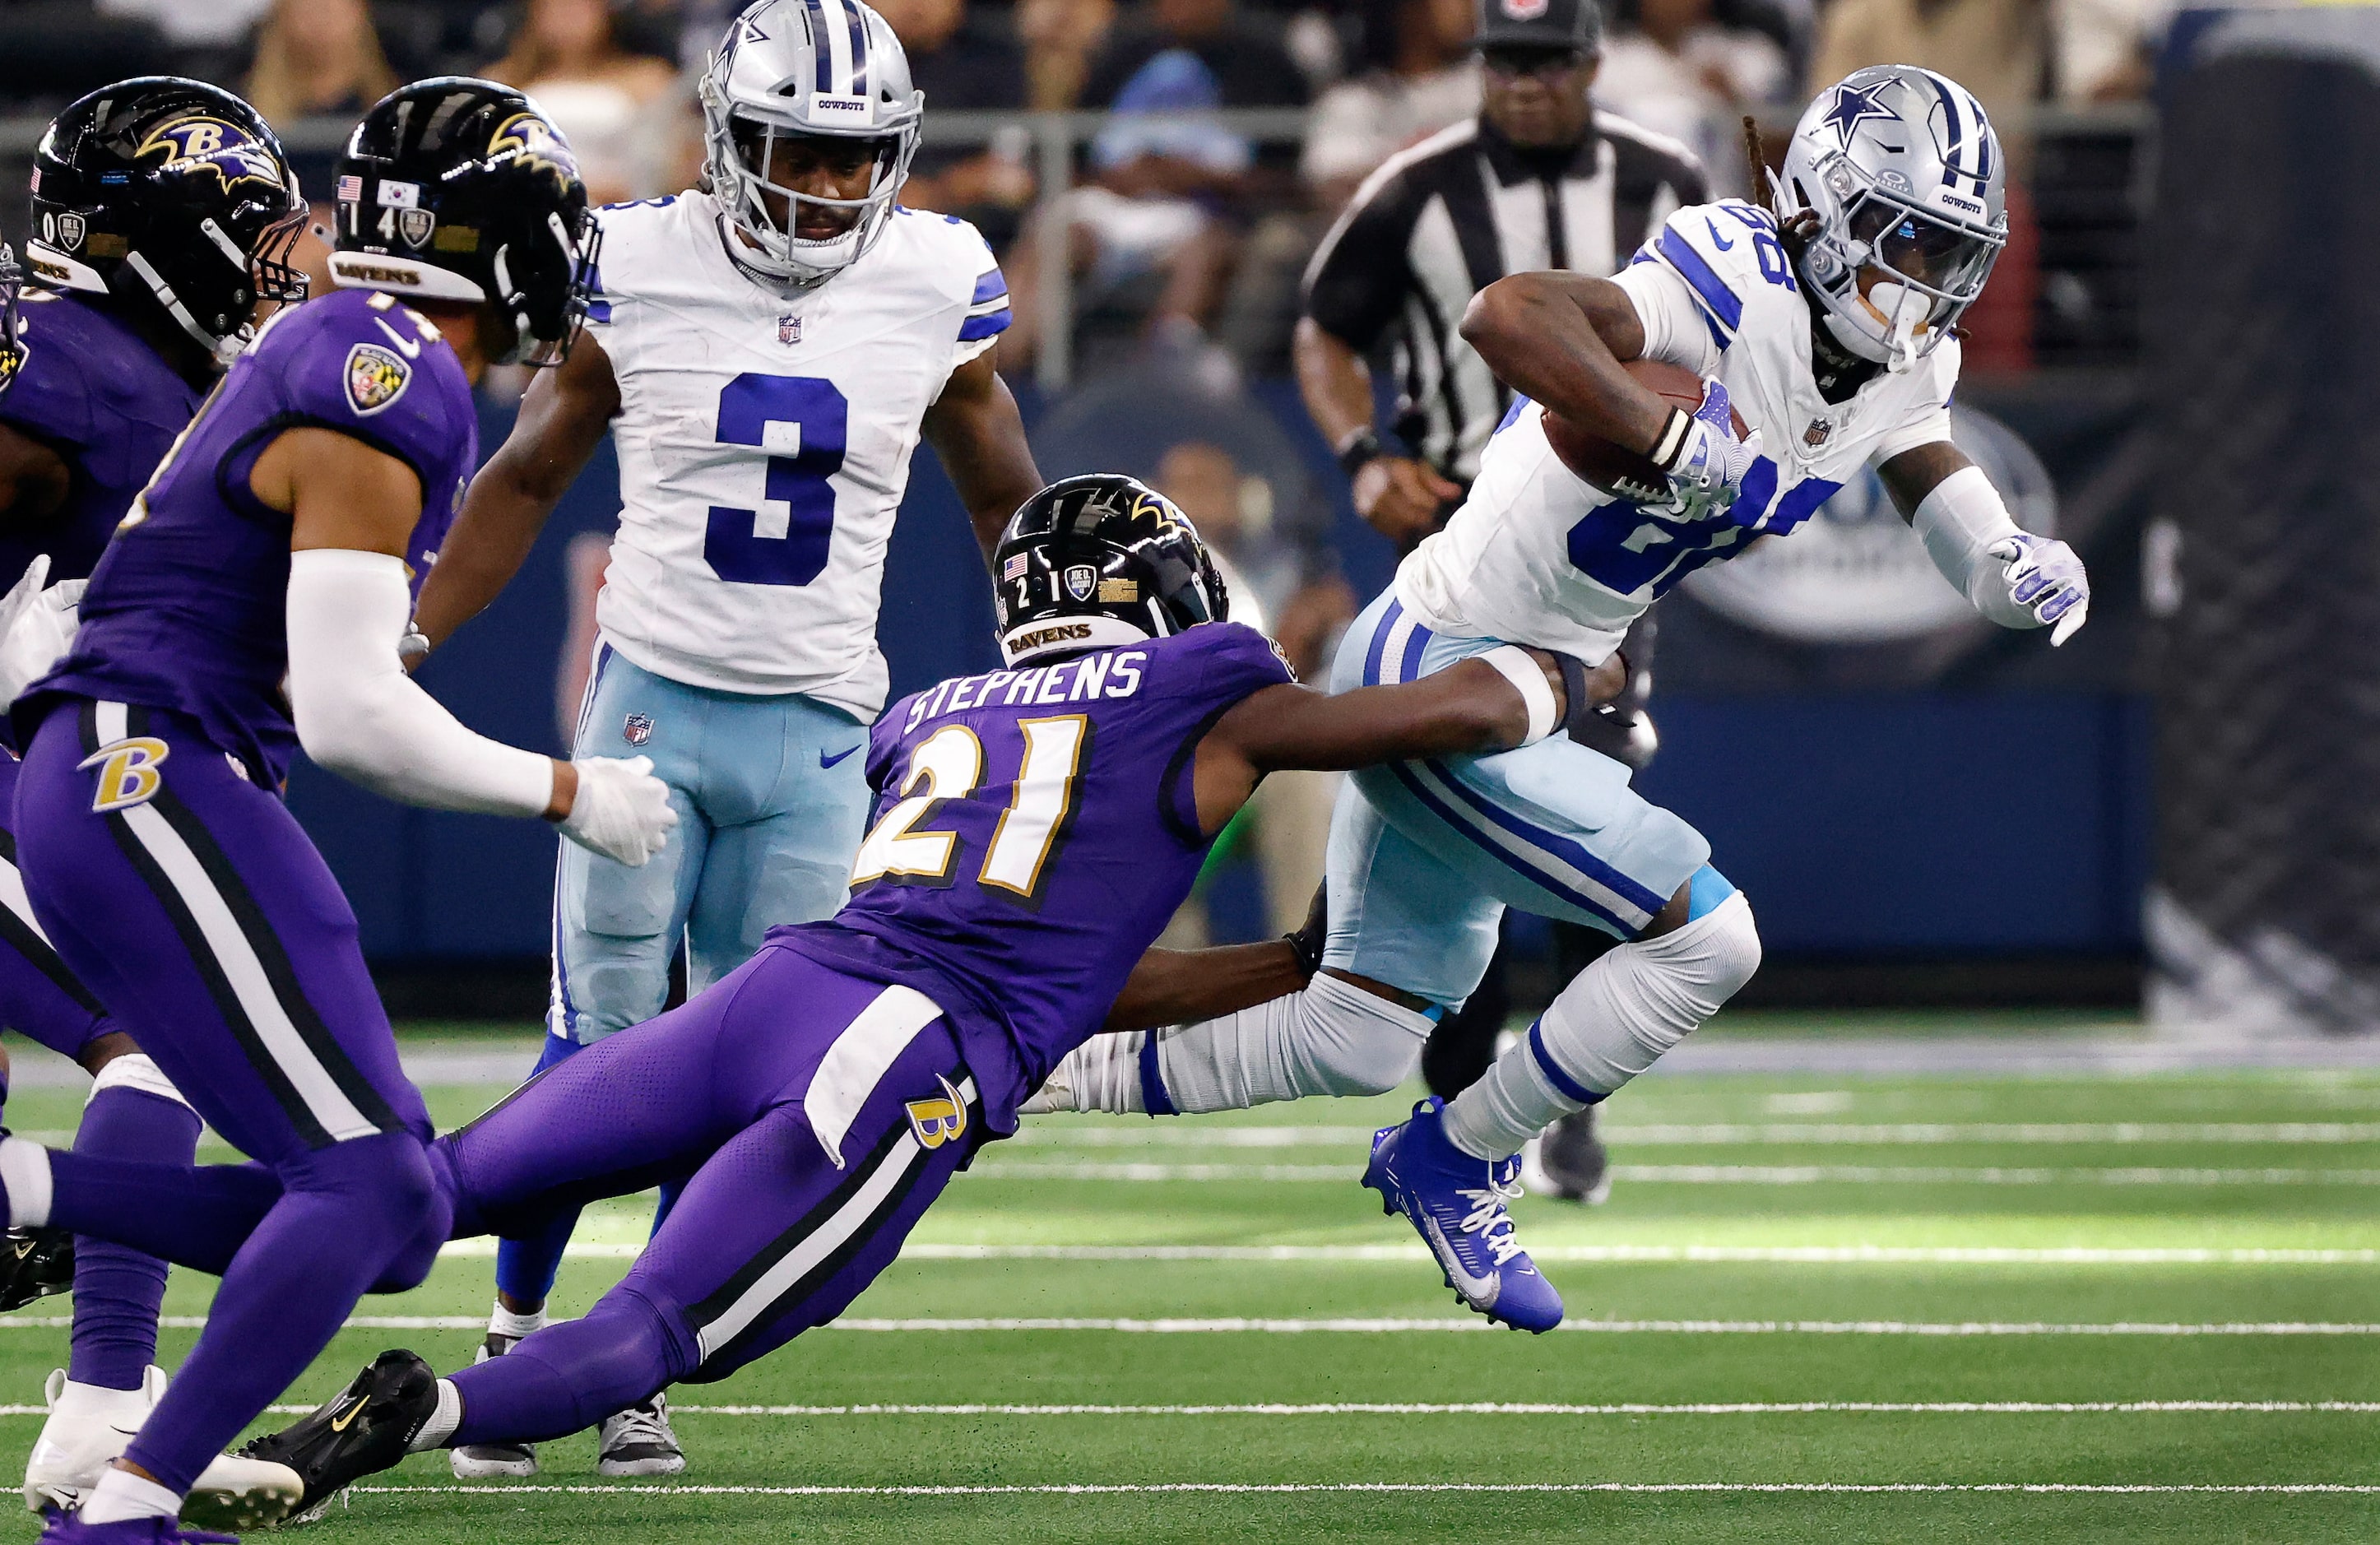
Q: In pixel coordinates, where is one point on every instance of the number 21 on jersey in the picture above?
(949, 765)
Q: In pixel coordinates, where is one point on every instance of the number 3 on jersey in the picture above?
(803, 422)
(950, 766)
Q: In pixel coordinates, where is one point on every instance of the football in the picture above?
(1617, 469)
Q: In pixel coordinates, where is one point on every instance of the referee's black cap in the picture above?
(1576, 25)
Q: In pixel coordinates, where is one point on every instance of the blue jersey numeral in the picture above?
(1774, 266)
(1626, 549)
(819, 418)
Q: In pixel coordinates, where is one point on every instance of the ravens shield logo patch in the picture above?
(376, 377)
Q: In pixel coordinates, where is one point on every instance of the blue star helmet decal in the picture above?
(1854, 104)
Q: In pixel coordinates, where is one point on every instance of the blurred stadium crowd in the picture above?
(1157, 177)
(1188, 226)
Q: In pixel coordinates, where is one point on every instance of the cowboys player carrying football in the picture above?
(162, 215)
(253, 601)
(766, 350)
(1829, 324)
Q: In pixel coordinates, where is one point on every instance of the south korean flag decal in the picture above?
(376, 377)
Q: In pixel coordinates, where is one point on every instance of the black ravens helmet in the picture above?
(171, 194)
(1097, 560)
(459, 189)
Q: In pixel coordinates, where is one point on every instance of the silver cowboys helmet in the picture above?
(791, 69)
(1906, 176)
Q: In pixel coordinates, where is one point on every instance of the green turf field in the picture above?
(1817, 1308)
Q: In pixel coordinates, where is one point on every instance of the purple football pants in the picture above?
(117, 1292)
(751, 1092)
(190, 903)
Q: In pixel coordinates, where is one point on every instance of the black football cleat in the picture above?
(1575, 1164)
(368, 1428)
(34, 1263)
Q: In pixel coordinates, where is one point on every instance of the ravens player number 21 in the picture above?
(766, 351)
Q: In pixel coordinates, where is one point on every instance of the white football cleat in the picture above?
(90, 1426)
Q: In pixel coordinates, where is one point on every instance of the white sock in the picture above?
(1610, 1024)
(134, 1070)
(442, 1421)
(504, 1322)
(25, 1173)
(1334, 1037)
(120, 1494)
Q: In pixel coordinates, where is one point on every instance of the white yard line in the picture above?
(1384, 1488)
(1702, 1174)
(1528, 1408)
(1447, 1324)
(1803, 1255)
(1058, 1133)
(1789, 1255)
(1433, 1324)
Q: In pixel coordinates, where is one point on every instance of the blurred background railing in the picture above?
(1153, 178)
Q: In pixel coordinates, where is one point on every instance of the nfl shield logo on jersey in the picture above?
(376, 377)
(789, 329)
(1818, 433)
(1080, 580)
(639, 729)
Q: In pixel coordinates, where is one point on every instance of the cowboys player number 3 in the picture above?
(766, 351)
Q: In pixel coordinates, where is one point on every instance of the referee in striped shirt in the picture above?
(1538, 179)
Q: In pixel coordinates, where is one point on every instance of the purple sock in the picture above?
(567, 1378)
(344, 1214)
(196, 1216)
(117, 1290)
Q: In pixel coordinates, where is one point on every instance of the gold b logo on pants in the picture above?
(937, 1121)
(128, 773)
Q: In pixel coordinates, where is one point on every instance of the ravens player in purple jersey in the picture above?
(1034, 828)
(254, 600)
(162, 215)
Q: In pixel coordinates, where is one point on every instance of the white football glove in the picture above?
(1705, 462)
(37, 628)
(2046, 577)
(622, 811)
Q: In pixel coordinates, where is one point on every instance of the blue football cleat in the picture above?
(1456, 1204)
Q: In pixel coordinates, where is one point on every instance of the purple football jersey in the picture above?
(186, 610)
(108, 405)
(1035, 830)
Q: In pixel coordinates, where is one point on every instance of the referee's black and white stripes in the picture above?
(1444, 219)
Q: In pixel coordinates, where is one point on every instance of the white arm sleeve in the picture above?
(1959, 522)
(363, 717)
(1674, 328)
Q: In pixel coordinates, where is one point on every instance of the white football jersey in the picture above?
(764, 441)
(1537, 556)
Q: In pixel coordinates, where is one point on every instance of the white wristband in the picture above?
(1959, 522)
(1521, 668)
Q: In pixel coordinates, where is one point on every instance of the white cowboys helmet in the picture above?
(797, 68)
(1906, 176)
